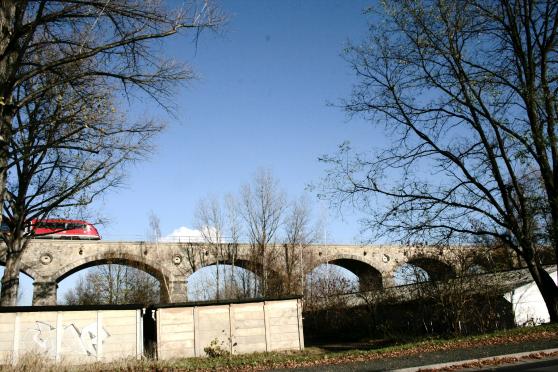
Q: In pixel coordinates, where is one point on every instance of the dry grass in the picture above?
(310, 357)
(39, 363)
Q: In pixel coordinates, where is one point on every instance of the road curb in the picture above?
(463, 362)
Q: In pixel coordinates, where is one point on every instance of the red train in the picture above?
(64, 229)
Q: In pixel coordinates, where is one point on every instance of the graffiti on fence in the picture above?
(75, 340)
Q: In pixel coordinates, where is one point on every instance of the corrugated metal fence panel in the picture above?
(71, 336)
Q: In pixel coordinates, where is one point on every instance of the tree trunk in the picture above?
(233, 279)
(217, 293)
(7, 72)
(10, 280)
(5, 132)
(547, 287)
(554, 227)
(288, 268)
(264, 268)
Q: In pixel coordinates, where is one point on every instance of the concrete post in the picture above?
(44, 293)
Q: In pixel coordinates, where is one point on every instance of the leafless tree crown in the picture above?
(467, 93)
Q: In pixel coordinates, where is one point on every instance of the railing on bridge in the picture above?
(163, 239)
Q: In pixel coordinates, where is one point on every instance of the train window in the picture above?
(51, 225)
(75, 226)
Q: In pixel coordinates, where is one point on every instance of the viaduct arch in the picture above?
(28, 271)
(147, 265)
(50, 261)
(369, 277)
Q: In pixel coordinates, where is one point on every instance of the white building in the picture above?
(527, 303)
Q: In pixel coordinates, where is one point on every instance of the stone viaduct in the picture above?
(48, 262)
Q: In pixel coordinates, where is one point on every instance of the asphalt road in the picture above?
(390, 364)
(550, 365)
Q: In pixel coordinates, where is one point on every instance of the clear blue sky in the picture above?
(260, 100)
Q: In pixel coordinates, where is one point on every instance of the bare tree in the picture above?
(463, 303)
(62, 64)
(467, 90)
(204, 287)
(298, 237)
(195, 257)
(220, 228)
(154, 227)
(67, 148)
(210, 222)
(234, 231)
(327, 289)
(112, 40)
(114, 284)
(263, 206)
(278, 233)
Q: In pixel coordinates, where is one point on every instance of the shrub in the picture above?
(216, 349)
